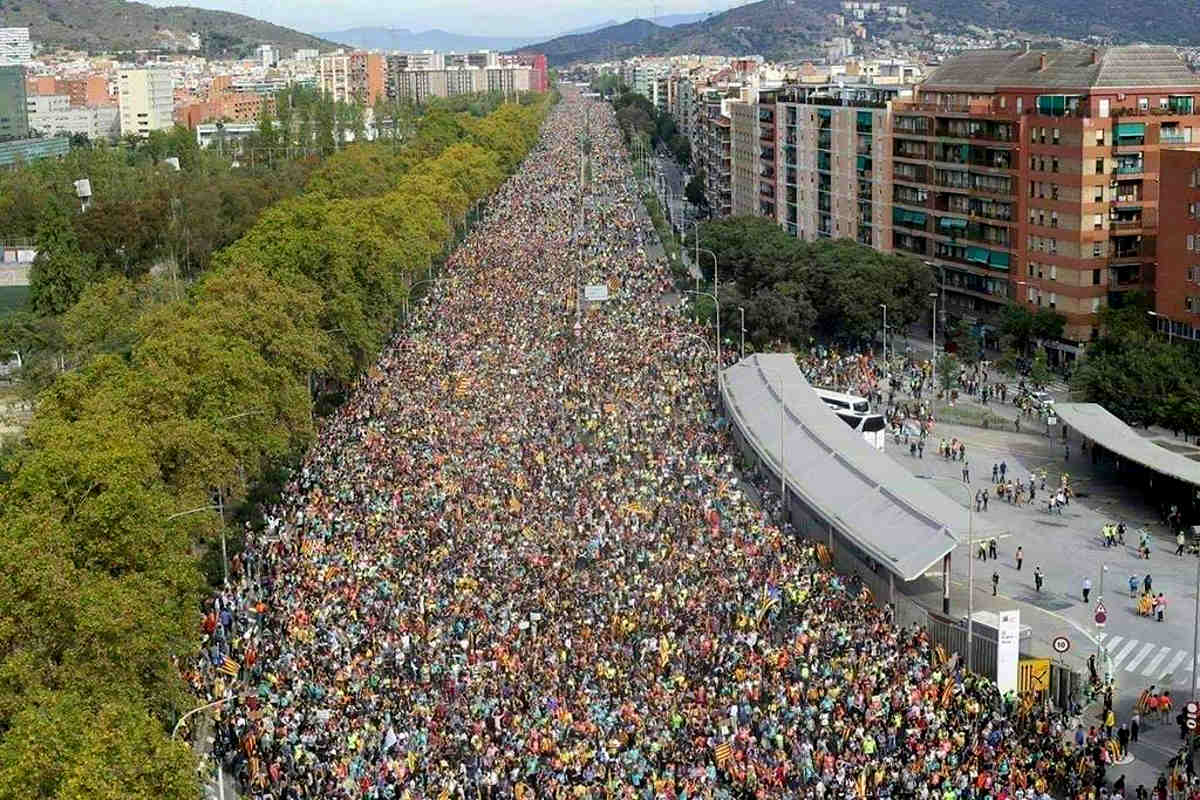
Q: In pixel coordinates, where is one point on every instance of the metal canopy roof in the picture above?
(903, 522)
(1100, 426)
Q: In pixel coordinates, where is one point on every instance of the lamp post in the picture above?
(716, 303)
(220, 509)
(933, 359)
(970, 568)
(884, 307)
(1196, 630)
(1170, 332)
(742, 314)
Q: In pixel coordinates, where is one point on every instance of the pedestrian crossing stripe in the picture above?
(1153, 661)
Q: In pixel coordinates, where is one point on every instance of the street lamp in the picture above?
(1170, 332)
(742, 314)
(933, 360)
(970, 567)
(716, 303)
(884, 307)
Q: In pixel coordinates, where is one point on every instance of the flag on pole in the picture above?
(229, 667)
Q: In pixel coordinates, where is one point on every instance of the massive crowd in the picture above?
(520, 562)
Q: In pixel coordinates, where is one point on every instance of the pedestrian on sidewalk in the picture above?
(985, 497)
(1020, 558)
(1160, 606)
(993, 547)
(1087, 588)
(983, 553)
(1146, 582)
(995, 582)
(1179, 543)
(966, 472)
(1133, 585)
(978, 501)
(1123, 738)
(1003, 469)
(995, 473)
(1037, 577)
(1135, 724)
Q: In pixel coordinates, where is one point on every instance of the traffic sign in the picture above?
(1101, 613)
(1061, 644)
(1192, 710)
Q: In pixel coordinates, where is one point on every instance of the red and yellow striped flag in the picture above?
(229, 667)
(724, 753)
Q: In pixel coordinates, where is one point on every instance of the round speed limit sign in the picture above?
(1061, 644)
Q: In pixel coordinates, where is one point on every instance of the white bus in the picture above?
(843, 402)
(873, 427)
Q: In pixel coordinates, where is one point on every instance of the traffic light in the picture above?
(1193, 716)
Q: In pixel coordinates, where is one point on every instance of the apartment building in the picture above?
(14, 120)
(15, 47)
(51, 115)
(352, 77)
(834, 169)
(1033, 176)
(146, 98)
(712, 149)
(1177, 277)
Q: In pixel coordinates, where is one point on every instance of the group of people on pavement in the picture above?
(521, 562)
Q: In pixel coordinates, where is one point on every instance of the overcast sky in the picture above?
(479, 17)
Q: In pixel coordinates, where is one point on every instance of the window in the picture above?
(1100, 136)
(1095, 304)
(1020, 104)
(1143, 104)
(1052, 245)
(1032, 216)
(1096, 275)
(1162, 103)
(1098, 197)
(1054, 161)
(1054, 191)
(1195, 181)
(1032, 294)
(1191, 242)
(1055, 137)
(1053, 219)
(1191, 210)
(1029, 268)
(1053, 272)
(1191, 274)
(1053, 299)
(1098, 222)
(1097, 251)
(1099, 166)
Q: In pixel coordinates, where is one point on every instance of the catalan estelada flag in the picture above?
(724, 753)
(229, 667)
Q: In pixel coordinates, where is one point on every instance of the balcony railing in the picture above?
(1129, 169)
(1125, 224)
(1172, 138)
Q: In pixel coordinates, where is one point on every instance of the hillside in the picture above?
(776, 29)
(1154, 21)
(790, 30)
(404, 40)
(108, 25)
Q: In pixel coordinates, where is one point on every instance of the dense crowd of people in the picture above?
(521, 562)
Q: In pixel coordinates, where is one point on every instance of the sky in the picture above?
(477, 17)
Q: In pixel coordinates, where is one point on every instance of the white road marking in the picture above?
(1141, 656)
(1174, 664)
(1126, 650)
(1156, 661)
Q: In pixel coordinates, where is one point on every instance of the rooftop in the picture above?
(1079, 68)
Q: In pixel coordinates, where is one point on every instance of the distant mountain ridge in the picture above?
(405, 40)
(371, 38)
(109, 25)
(793, 30)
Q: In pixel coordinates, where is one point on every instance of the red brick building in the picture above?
(1033, 177)
(1177, 279)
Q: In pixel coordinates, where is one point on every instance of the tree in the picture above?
(267, 134)
(61, 270)
(1039, 371)
(694, 191)
(947, 373)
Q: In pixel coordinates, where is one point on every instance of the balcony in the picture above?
(1130, 224)
(1119, 250)
(1172, 138)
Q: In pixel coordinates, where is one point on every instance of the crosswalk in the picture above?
(1153, 661)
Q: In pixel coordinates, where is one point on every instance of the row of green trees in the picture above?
(639, 117)
(186, 399)
(792, 290)
(1138, 374)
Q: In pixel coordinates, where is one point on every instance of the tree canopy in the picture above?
(162, 392)
(792, 289)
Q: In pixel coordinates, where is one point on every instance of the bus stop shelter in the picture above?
(837, 486)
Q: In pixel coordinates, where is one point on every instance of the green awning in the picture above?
(864, 162)
(998, 260)
(977, 254)
(1129, 129)
(952, 223)
(864, 118)
(901, 215)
